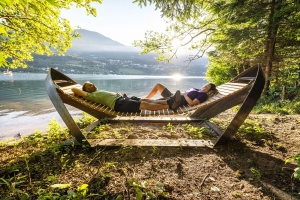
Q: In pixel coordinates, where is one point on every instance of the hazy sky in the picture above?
(120, 20)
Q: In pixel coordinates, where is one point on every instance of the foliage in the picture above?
(275, 105)
(148, 190)
(256, 172)
(85, 120)
(234, 34)
(35, 27)
(197, 132)
(297, 170)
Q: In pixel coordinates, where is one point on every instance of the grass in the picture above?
(278, 106)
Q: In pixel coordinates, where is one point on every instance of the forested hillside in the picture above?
(123, 63)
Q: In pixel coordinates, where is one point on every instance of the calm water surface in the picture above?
(25, 105)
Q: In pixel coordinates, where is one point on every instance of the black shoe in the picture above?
(135, 98)
(174, 101)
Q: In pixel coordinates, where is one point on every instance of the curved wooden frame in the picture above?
(251, 80)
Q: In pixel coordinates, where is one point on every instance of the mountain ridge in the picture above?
(92, 41)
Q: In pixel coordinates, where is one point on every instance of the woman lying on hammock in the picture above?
(192, 96)
(119, 103)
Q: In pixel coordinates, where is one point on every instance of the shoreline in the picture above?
(15, 124)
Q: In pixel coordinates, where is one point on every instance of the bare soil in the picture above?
(251, 166)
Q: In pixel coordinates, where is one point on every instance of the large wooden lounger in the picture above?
(245, 88)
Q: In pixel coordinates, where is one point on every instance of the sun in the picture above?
(176, 42)
(176, 76)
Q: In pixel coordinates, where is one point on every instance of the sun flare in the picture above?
(177, 76)
(176, 42)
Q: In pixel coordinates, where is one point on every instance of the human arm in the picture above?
(190, 101)
(79, 92)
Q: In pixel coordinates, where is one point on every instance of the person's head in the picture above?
(89, 87)
(208, 87)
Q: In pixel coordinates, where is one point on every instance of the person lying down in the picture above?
(119, 103)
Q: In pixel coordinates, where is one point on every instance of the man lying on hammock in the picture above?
(119, 103)
(192, 96)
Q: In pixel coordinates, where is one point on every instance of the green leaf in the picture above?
(119, 197)
(34, 6)
(297, 173)
(70, 192)
(4, 182)
(61, 186)
(139, 194)
(83, 187)
(24, 197)
(53, 3)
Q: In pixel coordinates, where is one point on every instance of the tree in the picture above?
(35, 27)
(242, 34)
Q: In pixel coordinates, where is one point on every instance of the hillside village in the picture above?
(91, 64)
(94, 53)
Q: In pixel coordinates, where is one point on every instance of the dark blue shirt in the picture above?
(193, 93)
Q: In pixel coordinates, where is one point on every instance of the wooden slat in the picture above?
(70, 87)
(67, 90)
(60, 81)
(174, 118)
(242, 84)
(92, 126)
(152, 142)
(226, 91)
(229, 89)
(229, 84)
(237, 87)
(247, 78)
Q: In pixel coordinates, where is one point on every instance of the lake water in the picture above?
(26, 107)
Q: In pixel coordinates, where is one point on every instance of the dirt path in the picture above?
(249, 167)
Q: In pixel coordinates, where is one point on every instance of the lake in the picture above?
(26, 107)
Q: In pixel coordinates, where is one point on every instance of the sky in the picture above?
(120, 20)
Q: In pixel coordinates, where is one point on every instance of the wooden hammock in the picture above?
(245, 88)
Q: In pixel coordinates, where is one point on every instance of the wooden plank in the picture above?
(247, 78)
(225, 93)
(175, 118)
(241, 84)
(214, 127)
(152, 143)
(230, 87)
(60, 81)
(70, 87)
(247, 105)
(233, 85)
(92, 126)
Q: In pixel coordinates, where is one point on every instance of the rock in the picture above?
(132, 136)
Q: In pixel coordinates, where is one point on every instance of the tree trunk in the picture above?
(273, 25)
(283, 93)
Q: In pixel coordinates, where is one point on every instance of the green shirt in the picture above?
(103, 97)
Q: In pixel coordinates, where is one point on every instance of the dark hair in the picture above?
(212, 86)
(83, 87)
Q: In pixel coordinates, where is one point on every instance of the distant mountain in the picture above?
(96, 44)
(91, 41)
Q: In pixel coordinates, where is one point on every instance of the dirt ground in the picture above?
(251, 166)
